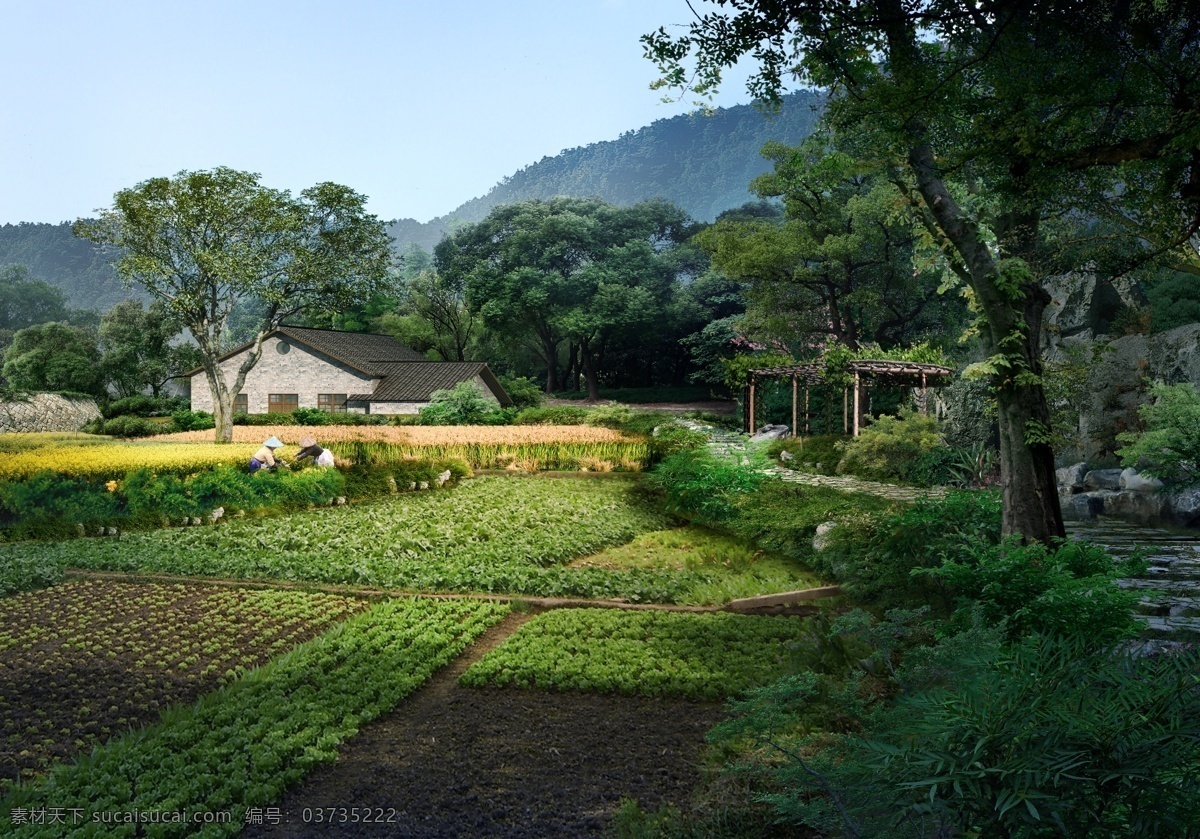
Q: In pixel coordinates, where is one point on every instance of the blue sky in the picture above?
(419, 105)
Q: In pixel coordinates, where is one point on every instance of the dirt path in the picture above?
(457, 762)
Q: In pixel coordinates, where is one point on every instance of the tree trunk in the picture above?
(550, 350)
(588, 363)
(1013, 313)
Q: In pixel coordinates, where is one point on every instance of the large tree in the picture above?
(140, 348)
(203, 242)
(574, 270)
(54, 356)
(993, 118)
(838, 265)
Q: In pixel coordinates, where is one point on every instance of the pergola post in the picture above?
(856, 403)
(751, 404)
(845, 412)
(806, 429)
(924, 396)
(795, 427)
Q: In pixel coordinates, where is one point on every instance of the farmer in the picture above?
(265, 456)
(309, 448)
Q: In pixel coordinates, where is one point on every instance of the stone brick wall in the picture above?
(47, 412)
(300, 370)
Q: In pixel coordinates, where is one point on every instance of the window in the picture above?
(334, 403)
(241, 404)
(282, 403)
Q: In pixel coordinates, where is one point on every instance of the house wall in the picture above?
(301, 371)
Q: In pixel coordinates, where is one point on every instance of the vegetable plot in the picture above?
(89, 659)
(498, 534)
(700, 656)
(243, 745)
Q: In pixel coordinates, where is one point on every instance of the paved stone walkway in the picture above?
(733, 444)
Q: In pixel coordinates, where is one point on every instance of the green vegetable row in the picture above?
(701, 656)
(498, 534)
(243, 745)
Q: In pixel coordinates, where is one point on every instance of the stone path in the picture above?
(733, 444)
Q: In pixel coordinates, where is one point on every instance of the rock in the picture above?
(79, 530)
(1071, 477)
(1134, 481)
(412, 485)
(1185, 506)
(195, 520)
(771, 432)
(341, 499)
(110, 531)
(821, 540)
(216, 514)
(443, 477)
(785, 456)
(1103, 479)
(1084, 506)
(392, 484)
(1138, 505)
(424, 485)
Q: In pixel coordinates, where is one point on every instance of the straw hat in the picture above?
(272, 443)
(307, 440)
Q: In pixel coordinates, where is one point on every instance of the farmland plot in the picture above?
(90, 659)
(497, 534)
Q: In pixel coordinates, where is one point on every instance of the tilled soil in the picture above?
(463, 762)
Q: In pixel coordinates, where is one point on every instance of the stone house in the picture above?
(341, 372)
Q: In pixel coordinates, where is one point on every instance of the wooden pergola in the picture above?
(866, 372)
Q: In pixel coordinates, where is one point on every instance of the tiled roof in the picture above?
(363, 351)
(415, 381)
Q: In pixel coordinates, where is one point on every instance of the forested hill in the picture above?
(702, 163)
(53, 253)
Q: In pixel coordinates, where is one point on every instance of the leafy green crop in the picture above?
(243, 745)
(702, 656)
(501, 534)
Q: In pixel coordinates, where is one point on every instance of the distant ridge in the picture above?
(702, 163)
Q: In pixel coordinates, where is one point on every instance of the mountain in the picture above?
(53, 253)
(703, 163)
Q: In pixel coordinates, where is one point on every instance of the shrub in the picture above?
(878, 559)
(1169, 448)
(1050, 737)
(264, 419)
(552, 415)
(671, 438)
(48, 495)
(696, 483)
(611, 415)
(1068, 590)
(464, 404)
(132, 426)
(886, 449)
(186, 420)
(311, 416)
(144, 406)
(524, 392)
(818, 454)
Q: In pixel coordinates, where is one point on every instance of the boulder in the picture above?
(1086, 505)
(821, 540)
(1185, 506)
(1103, 479)
(1136, 505)
(1071, 477)
(771, 432)
(1135, 481)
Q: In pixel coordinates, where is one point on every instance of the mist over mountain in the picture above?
(53, 253)
(703, 163)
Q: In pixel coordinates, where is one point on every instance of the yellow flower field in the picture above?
(112, 458)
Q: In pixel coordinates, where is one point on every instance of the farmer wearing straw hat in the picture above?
(308, 448)
(265, 456)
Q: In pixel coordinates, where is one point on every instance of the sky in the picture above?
(419, 105)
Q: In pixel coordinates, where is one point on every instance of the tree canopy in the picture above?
(994, 119)
(204, 242)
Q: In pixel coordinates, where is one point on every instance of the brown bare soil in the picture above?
(89, 659)
(461, 762)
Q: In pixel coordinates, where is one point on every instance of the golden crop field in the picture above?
(526, 447)
(414, 435)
